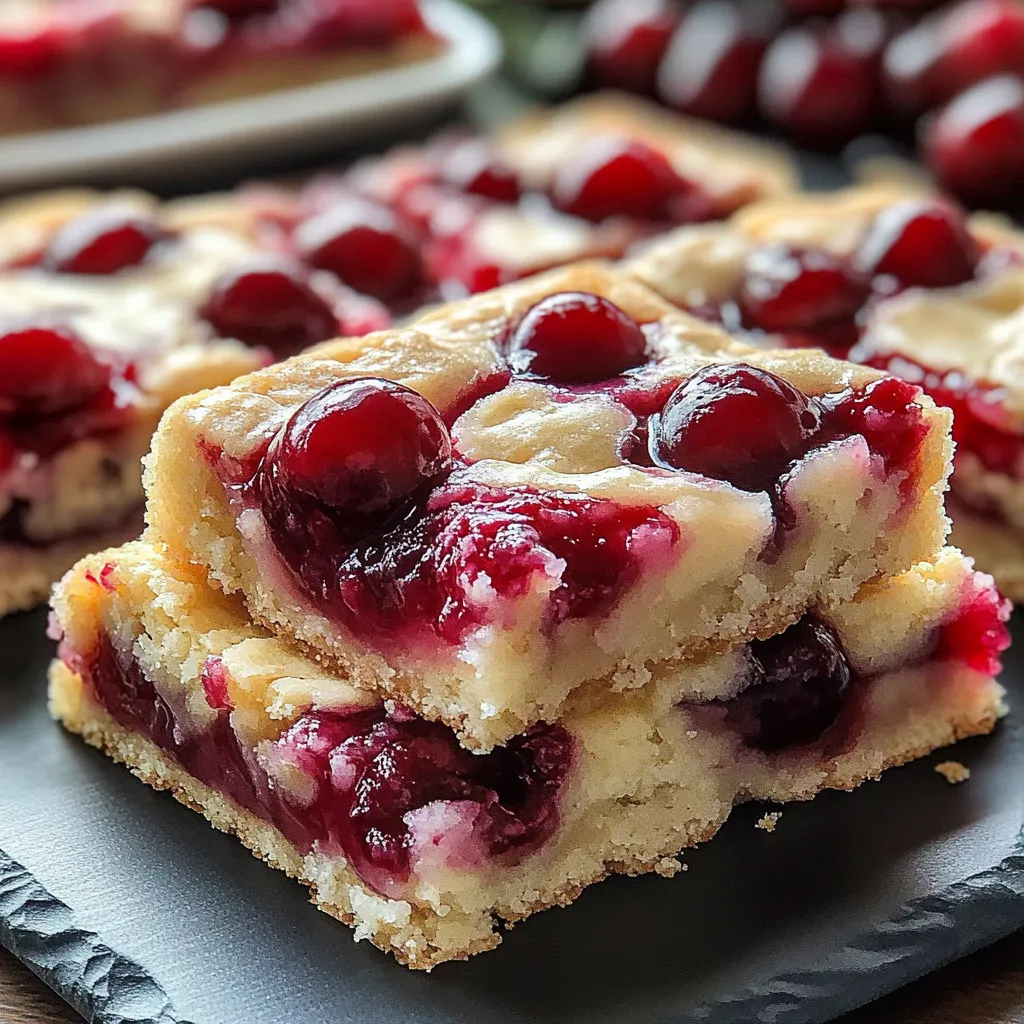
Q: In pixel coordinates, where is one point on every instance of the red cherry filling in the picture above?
(377, 779)
(615, 176)
(980, 421)
(920, 243)
(103, 241)
(364, 245)
(470, 166)
(800, 681)
(789, 289)
(356, 453)
(575, 337)
(393, 778)
(47, 369)
(976, 144)
(977, 634)
(268, 303)
(736, 423)
(625, 40)
(238, 10)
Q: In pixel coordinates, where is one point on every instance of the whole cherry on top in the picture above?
(823, 72)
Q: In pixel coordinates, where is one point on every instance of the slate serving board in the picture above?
(134, 910)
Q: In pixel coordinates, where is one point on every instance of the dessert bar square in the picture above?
(69, 62)
(898, 280)
(113, 306)
(424, 847)
(563, 481)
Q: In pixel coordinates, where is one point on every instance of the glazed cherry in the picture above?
(976, 144)
(103, 241)
(734, 422)
(922, 243)
(364, 245)
(711, 65)
(34, 52)
(47, 369)
(268, 303)
(358, 451)
(795, 290)
(615, 176)
(910, 68)
(821, 86)
(625, 39)
(575, 337)
(472, 167)
(801, 679)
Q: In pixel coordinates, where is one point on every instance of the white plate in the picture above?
(219, 133)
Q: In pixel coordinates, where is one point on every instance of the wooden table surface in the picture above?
(986, 988)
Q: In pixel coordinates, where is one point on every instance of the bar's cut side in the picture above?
(898, 280)
(559, 481)
(423, 846)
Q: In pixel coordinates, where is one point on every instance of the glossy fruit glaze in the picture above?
(375, 779)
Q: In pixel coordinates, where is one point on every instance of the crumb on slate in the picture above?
(953, 772)
(769, 821)
(669, 866)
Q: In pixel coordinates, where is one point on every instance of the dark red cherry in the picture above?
(363, 244)
(790, 289)
(358, 450)
(910, 68)
(237, 10)
(921, 243)
(473, 167)
(625, 39)
(801, 679)
(47, 369)
(981, 38)
(734, 422)
(103, 241)
(711, 65)
(575, 337)
(612, 175)
(821, 86)
(35, 51)
(976, 144)
(268, 303)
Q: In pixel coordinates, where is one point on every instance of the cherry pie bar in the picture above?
(899, 281)
(425, 847)
(563, 484)
(114, 306)
(68, 62)
(585, 179)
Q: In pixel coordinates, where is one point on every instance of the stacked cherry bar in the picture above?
(899, 281)
(82, 61)
(827, 71)
(457, 618)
